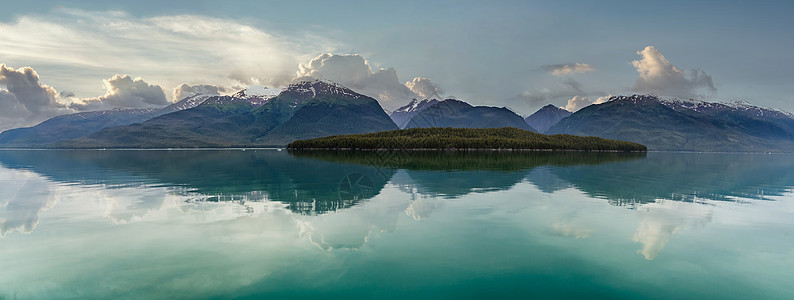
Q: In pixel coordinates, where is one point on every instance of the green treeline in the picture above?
(507, 138)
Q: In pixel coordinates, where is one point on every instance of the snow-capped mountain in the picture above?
(683, 125)
(81, 124)
(186, 103)
(714, 107)
(256, 95)
(259, 91)
(403, 115)
(313, 88)
(304, 110)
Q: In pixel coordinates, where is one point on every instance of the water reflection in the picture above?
(315, 183)
(307, 186)
(661, 220)
(688, 177)
(452, 174)
(310, 183)
(206, 223)
(318, 182)
(22, 199)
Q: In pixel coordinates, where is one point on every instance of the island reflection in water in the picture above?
(546, 204)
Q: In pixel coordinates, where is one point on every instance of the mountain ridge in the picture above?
(403, 115)
(306, 109)
(460, 114)
(667, 126)
(546, 117)
(72, 126)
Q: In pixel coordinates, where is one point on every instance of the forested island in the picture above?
(506, 138)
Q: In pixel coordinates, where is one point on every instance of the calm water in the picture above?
(255, 224)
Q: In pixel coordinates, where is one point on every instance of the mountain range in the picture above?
(459, 114)
(304, 110)
(403, 115)
(78, 125)
(683, 125)
(319, 108)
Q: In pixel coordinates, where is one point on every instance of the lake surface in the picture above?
(379, 225)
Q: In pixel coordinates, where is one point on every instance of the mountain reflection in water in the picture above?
(317, 182)
(265, 223)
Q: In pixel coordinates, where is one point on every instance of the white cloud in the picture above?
(602, 99)
(124, 91)
(355, 72)
(184, 90)
(563, 90)
(21, 200)
(567, 69)
(658, 75)
(351, 69)
(24, 101)
(663, 219)
(571, 230)
(424, 88)
(421, 208)
(578, 102)
(75, 48)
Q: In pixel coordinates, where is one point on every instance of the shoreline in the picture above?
(453, 149)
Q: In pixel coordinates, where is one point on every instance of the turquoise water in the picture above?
(272, 224)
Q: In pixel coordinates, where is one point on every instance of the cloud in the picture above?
(21, 200)
(24, 101)
(578, 102)
(570, 230)
(567, 69)
(563, 90)
(338, 68)
(184, 90)
(421, 208)
(424, 88)
(603, 99)
(124, 92)
(355, 72)
(658, 75)
(66, 94)
(76, 47)
(663, 219)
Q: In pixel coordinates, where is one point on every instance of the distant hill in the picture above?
(459, 114)
(546, 117)
(306, 109)
(78, 125)
(683, 125)
(465, 138)
(403, 115)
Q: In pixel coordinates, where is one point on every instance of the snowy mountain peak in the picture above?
(188, 102)
(713, 107)
(322, 87)
(416, 105)
(636, 99)
(258, 92)
(403, 115)
(256, 101)
(112, 111)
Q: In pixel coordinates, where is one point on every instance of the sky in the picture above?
(60, 57)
